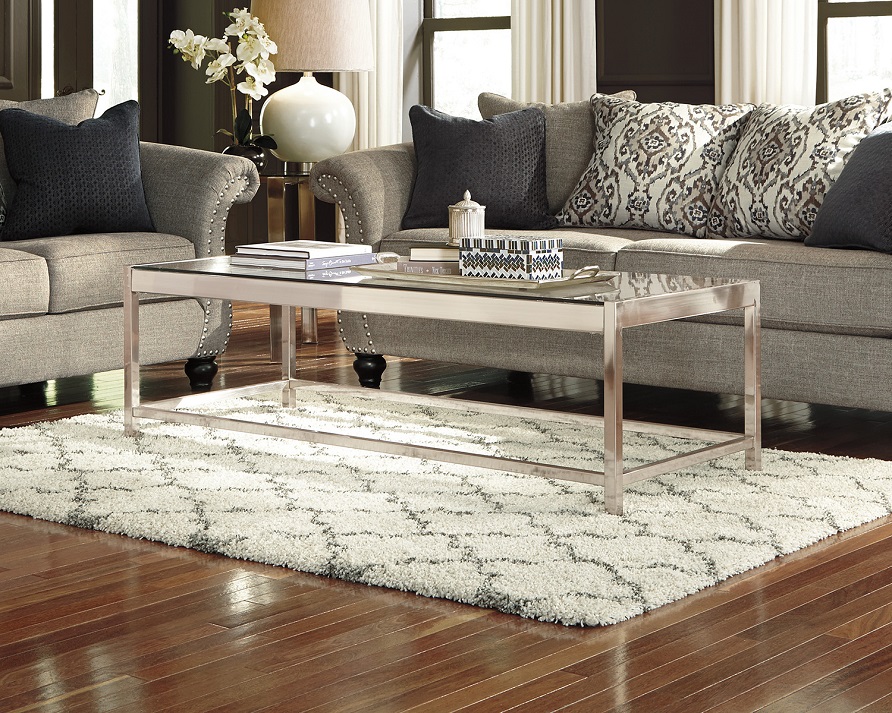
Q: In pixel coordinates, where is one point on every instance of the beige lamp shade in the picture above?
(318, 35)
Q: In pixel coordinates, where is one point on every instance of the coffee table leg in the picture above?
(131, 354)
(308, 330)
(613, 409)
(289, 355)
(752, 385)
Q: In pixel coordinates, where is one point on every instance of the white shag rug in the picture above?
(539, 548)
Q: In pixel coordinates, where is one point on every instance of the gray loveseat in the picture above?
(61, 304)
(826, 316)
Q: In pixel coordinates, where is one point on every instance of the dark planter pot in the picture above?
(252, 153)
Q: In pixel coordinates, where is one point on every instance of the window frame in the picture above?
(828, 10)
(430, 25)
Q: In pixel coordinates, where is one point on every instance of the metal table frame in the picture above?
(306, 230)
(610, 318)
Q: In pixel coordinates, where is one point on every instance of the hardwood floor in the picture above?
(96, 622)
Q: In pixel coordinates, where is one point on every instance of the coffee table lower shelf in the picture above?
(177, 410)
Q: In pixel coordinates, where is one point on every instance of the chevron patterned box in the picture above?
(512, 258)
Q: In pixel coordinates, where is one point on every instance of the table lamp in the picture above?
(308, 120)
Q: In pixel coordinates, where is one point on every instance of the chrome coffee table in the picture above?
(628, 300)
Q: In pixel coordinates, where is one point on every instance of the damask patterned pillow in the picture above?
(655, 165)
(787, 159)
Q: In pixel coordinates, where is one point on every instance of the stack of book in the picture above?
(315, 258)
(431, 260)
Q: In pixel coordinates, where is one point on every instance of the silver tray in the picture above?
(583, 276)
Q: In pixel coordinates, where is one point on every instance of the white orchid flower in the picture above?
(249, 48)
(267, 43)
(217, 45)
(241, 21)
(190, 46)
(262, 71)
(252, 89)
(219, 68)
(180, 39)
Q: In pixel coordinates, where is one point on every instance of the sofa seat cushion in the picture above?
(832, 291)
(87, 271)
(26, 284)
(582, 246)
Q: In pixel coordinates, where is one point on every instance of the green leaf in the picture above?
(265, 142)
(242, 127)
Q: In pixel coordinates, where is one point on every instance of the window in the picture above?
(115, 51)
(90, 43)
(854, 51)
(467, 50)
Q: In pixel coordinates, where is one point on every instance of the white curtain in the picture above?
(766, 51)
(378, 96)
(553, 50)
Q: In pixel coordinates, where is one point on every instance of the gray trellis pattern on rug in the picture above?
(786, 161)
(654, 165)
(539, 548)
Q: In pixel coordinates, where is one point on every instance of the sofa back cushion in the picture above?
(569, 139)
(655, 166)
(70, 109)
(786, 161)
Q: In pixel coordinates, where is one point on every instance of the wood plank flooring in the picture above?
(94, 622)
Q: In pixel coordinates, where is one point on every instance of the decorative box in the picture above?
(512, 258)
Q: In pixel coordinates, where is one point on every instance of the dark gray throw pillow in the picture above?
(501, 161)
(74, 179)
(857, 210)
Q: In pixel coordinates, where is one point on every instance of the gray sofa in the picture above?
(61, 307)
(826, 317)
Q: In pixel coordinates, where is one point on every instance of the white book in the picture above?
(440, 253)
(302, 249)
(329, 262)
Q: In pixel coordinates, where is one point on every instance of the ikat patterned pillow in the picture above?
(787, 159)
(654, 166)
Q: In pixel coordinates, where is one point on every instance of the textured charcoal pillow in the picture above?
(787, 159)
(655, 166)
(74, 179)
(569, 139)
(857, 210)
(70, 108)
(501, 161)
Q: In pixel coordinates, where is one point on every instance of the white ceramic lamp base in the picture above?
(309, 121)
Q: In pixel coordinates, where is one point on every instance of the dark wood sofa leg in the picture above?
(201, 372)
(368, 368)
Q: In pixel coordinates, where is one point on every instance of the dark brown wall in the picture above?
(19, 49)
(663, 49)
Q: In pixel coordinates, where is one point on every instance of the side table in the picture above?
(275, 217)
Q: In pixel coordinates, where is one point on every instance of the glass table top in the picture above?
(620, 287)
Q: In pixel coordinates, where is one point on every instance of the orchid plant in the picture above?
(248, 60)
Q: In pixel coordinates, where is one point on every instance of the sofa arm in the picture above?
(372, 187)
(189, 192)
